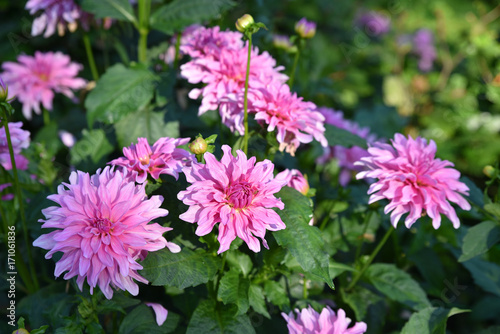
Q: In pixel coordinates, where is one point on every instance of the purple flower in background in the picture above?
(7, 196)
(374, 23)
(20, 139)
(283, 42)
(423, 47)
(309, 321)
(413, 180)
(305, 29)
(56, 14)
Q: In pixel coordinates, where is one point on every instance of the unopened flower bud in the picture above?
(305, 29)
(4, 91)
(20, 331)
(198, 146)
(489, 171)
(244, 22)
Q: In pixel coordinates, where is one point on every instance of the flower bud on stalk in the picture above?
(244, 22)
(489, 171)
(305, 29)
(4, 91)
(198, 146)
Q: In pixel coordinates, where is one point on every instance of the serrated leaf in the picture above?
(338, 136)
(485, 274)
(302, 240)
(397, 285)
(430, 320)
(144, 123)
(142, 320)
(257, 300)
(241, 261)
(91, 148)
(184, 269)
(234, 289)
(360, 300)
(117, 9)
(178, 14)
(209, 319)
(119, 92)
(479, 239)
(276, 294)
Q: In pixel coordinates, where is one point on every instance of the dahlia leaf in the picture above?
(276, 294)
(257, 300)
(142, 320)
(302, 240)
(119, 92)
(173, 17)
(241, 261)
(182, 270)
(479, 239)
(430, 320)
(91, 149)
(366, 305)
(209, 319)
(342, 137)
(116, 9)
(397, 285)
(485, 274)
(234, 289)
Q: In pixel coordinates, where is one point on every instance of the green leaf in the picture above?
(241, 261)
(490, 330)
(338, 136)
(430, 320)
(302, 240)
(93, 147)
(397, 285)
(142, 319)
(360, 300)
(173, 17)
(182, 270)
(485, 274)
(116, 9)
(257, 300)
(119, 92)
(493, 208)
(234, 289)
(209, 319)
(276, 294)
(479, 239)
(475, 194)
(40, 330)
(144, 123)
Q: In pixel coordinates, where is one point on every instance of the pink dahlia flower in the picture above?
(293, 178)
(35, 79)
(102, 227)
(161, 158)
(347, 157)
(296, 121)
(413, 181)
(56, 14)
(309, 321)
(161, 312)
(198, 41)
(237, 193)
(20, 139)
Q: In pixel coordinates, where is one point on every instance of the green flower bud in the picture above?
(198, 146)
(489, 171)
(244, 22)
(4, 91)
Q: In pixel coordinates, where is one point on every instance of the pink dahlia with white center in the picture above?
(102, 224)
(34, 80)
(413, 180)
(296, 121)
(309, 321)
(237, 193)
(55, 14)
(20, 140)
(162, 158)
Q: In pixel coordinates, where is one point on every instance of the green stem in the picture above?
(219, 274)
(294, 68)
(245, 101)
(144, 9)
(19, 199)
(46, 116)
(366, 223)
(177, 47)
(304, 289)
(90, 57)
(360, 273)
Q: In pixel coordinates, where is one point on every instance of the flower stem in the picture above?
(144, 9)
(177, 47)
(245, 101)
(360, 273)
(46, 116)
(366, 223)
(19, 199)
(90, 56)
(294, 68)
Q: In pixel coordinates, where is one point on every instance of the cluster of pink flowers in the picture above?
(237, 193)
(347, 157)
(20, 140)
(102, 224)
(413, 180)
(162, 158)
(309, 321)
(34, 80)
(219, 60)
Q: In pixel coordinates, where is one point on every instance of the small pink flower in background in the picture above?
(7, 196)
(305, 29)
(34, 80)
(162, 158)
(56, 14)
(374, 23)
(423, 47)
(347, 157)
(293, 178)
(413, 180)
(237, 193)
(67, 138)
(161, 312)
(20, 139)
(309, 321)
(295, 120)
(103, 226)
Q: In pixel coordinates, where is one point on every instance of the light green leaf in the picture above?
(182, 270)
(142, 320)
(241, 261)
(234, 289)
(276, 294)
(397, 285)
(430, 320)
(257, 300)
(338, 136)
(493, 208)
(479, 239)
(116, 9)
(91, 148)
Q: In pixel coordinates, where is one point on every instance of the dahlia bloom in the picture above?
(296, 121)
(20, 139)
(305, 29)
(423, 46)
(161, 158)
(346, 157)
(161, 312)
(309, 321)
(198, 41)
(413, 180)
(374, 23)
(293, 178)
(55, 14)
(237, 193)
(35, 79)
(102, 227)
